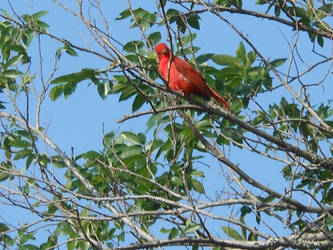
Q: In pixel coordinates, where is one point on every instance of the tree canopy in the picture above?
(185, 172)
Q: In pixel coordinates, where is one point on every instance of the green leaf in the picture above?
(193, 21)
(258, 217)
(261, 1)
(107, 140)
(133, 46)
(130, 151)
(320, 41)
(1, 105)
(77, 77)
(163, 3)
(172, 15)
(173, 233)
(27, 78)
(164, 230)
(5, 13)
(154, 120)
(277, 10)
(124, 14)
(251, 57)
(29, 160)
(149, 205)
(133, 58)
(29, 247)
(180, 24)
(51, 208)
(13, 61)
(238, 3)
(27, 18)
(56, 92)
(3, 176)
(177, 181)
(22, 154)
(63, 229)
(252, 237)
(127, 92)
(39, 14)
(69, 50)
(50, 244)
(11, 73)
(191, 229)
(3, 228)
(26, 189)
(195, 246)
(278, 62)
(18, 142)
(138, 102)
(204, 57)
(155, 37)
(83, 245)
(104, 89)
(71, 244)
(226, 60)
(42, 26)
(142, 18)
(197, 173)
(197, 186)
(232, 233)
(69, 89)
(241, 51)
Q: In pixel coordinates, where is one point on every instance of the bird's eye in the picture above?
(164, 51)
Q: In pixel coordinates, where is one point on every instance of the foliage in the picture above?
(157, 187)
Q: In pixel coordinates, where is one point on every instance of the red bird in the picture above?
(183, 77)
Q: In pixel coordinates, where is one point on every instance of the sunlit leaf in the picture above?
(75, 77)
(131, 137)
(39, 14)
(241, 51)
(226, 60)
(277, 62)
(13, 61)
(11, 73)
(191, 229)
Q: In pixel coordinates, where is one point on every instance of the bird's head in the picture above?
(162, 51)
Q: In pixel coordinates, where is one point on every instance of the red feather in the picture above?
(183, 77)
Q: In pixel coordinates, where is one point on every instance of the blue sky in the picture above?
(79, 120)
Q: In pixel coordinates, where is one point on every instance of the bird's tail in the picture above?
(220, 99)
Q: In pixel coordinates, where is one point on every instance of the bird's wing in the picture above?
(195, 78)
(192, 75)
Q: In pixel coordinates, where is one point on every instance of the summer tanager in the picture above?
(183, 77)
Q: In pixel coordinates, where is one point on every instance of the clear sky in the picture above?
(79, 120)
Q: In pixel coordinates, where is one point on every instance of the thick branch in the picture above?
(271, 243)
